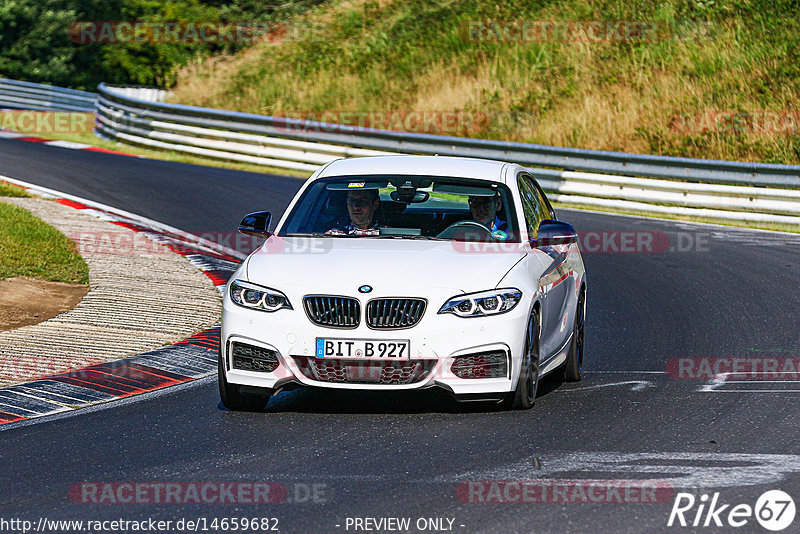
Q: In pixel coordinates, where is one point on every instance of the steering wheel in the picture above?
(466, 225)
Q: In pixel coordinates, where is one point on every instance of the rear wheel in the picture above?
(573, 368)
(233, 399)
(523, 397)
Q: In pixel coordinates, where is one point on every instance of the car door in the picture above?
(553, 284)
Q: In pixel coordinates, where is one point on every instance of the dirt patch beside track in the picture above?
(25, 301)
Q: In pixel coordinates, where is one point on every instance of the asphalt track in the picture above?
(731, 293)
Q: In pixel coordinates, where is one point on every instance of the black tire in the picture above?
(573, 368)
(523, 397)
(233, 399)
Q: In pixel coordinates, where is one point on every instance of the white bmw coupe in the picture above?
(407, 272)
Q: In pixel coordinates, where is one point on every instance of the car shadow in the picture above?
(312, 400)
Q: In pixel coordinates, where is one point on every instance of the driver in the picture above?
(361, 206)
(486, 209)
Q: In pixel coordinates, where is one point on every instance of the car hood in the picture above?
(398, 267)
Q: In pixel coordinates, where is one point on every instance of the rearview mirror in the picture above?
(554, 233)
(414, 197)
(256, 224)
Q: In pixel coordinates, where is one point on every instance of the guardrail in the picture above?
(635, 182)
(218, 135)
(36, 96)
(150, 94)
(712, 189)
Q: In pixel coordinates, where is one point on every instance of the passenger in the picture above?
(362, 204)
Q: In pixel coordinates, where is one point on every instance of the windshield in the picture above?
(410, 207)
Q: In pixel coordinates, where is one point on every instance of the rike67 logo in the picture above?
(774, 510)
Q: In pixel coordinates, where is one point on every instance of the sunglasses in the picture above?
(482, 201)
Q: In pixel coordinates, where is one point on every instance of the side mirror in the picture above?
(256, 224)
(554, 233)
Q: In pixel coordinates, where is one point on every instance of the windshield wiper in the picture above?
(410, 236)
(385, 236)
(300, 234)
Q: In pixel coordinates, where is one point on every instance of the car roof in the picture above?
(418, 165)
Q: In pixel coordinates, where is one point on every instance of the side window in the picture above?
(547, 207)
(533, 204)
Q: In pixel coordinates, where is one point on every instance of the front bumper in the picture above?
(436, 341)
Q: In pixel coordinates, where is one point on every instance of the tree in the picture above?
(33, 41)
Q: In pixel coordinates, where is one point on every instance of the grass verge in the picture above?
(30, 247)
(11, 190)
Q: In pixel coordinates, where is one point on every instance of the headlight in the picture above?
(493, 302)
(256, 297)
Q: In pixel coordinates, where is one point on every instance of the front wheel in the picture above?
(573, 368)
(523, 397)
(233, 399)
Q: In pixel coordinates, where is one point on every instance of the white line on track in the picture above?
(722, 380)
(636, 385)
(624, 372)
(678, 469)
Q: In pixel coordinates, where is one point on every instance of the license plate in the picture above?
(383, 349)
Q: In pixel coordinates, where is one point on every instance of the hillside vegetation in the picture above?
(720, 79)
(44, 41)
